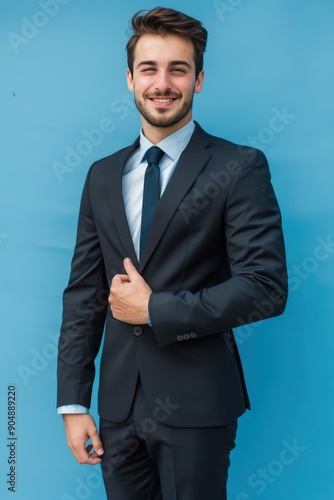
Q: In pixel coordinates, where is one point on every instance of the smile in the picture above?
(162, 100)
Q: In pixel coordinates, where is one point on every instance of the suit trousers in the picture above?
(145, 459)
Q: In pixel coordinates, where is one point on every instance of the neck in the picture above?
(156, 134)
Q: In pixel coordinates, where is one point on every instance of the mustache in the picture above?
(167, 93)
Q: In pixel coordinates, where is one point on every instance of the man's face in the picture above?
(164, 81)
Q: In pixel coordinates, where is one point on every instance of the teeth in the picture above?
(163, 100)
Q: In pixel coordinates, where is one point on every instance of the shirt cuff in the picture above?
(149, 322)
(72, 409)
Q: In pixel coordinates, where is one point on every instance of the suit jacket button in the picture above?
(137, 331)
(193, 335)
(179, 337)
(186, 336)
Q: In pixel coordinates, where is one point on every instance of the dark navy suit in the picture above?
(214, 259)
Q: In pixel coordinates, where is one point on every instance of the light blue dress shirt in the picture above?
(133, 187)
(134, 173)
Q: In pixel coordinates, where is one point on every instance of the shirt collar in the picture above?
(172, 145)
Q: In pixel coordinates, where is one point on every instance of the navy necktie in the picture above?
(151, 192)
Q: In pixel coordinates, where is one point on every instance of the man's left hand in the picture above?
(129, 296)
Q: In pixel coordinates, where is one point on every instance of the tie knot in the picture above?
(154, 155)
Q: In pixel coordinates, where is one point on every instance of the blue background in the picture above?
(63, 75)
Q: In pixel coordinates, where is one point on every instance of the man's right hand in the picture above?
(80, 427)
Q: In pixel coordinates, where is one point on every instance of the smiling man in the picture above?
(163, 86)
(181, 232)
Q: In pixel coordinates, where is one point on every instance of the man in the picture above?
(171, 383)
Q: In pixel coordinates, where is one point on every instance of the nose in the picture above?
(163, 81)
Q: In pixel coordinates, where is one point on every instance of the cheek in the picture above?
(141, 86)
(188, 86)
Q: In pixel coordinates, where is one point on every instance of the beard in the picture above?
(163, 117)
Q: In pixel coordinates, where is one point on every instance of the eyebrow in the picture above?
(180, 63)
(171, 63)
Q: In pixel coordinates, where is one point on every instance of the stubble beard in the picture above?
(161, 117)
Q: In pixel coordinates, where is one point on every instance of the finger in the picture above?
(82, 455)
(97, 443)
(85, 455)
(92, 453)
(125, 278)
(94, 459)
(130, 268)
(119, 279)
(79, 429)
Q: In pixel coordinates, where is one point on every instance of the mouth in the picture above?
(162, 101)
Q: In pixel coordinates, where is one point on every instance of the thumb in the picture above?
(130, 268)
(96, 442)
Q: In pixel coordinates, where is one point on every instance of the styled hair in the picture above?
(162, 21)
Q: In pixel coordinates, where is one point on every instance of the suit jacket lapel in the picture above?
(191, 162)
(117, 203)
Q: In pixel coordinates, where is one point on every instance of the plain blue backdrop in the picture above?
(64, 103)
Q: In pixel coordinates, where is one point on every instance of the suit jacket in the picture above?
(214, 259)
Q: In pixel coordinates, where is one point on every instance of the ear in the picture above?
(129, 80)
(199, 82)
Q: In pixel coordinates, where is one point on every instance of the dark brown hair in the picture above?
(162, 21)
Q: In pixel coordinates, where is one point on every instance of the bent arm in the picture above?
(257, 288)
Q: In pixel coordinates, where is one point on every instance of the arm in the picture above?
(257, 287)
(84, 313)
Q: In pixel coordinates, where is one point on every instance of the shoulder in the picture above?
(114, 158)
(223, 148)
(107, 170)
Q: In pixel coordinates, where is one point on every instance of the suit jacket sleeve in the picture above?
(257, 287)
(84, 311)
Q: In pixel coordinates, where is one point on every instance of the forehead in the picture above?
(163, 49)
